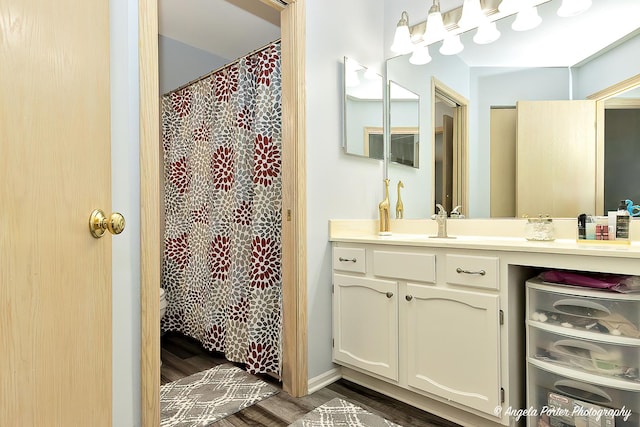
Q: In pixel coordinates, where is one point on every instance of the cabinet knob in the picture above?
(408, 297)
(389, 294)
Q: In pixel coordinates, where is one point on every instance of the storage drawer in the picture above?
(543, 382)
(603, 312)
(474, 271)
(405, 265)
(596, 357)
(349, 259)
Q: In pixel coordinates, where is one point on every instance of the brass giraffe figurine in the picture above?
(399, 204)
(383, 207)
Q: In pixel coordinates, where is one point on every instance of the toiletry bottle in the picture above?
(622, 222)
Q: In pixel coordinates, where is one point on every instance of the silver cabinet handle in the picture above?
(347, 259)
(408, 297)
(389, 294)
(461, 271)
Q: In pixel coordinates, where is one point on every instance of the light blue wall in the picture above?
(338, 185)
(417, 194)
(180, 63)
(491, 87)
(125, 198)
(608, 69)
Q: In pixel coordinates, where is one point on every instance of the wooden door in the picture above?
(453, 345)
(503, 162)
(556, 158)
(447, 163)
(365, 324)
(55, 278)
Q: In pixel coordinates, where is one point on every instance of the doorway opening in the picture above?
(450, 148)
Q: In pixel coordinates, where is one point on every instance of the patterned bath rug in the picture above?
(205, 397)
(338, 412)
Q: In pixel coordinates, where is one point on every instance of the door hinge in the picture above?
(288, 214)
(333, 342)
(501, 395)
(333, 288)
(501, 317)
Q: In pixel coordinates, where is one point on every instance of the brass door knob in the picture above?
(99, 223)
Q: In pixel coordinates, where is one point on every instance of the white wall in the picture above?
(125, 177)
(338, 185)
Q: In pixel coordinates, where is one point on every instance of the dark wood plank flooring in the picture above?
(183, 356)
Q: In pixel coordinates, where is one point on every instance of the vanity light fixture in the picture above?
(420, 55)
(573, 7)
(402, 40)
(486, 33)
(509, 7)
(439, 26)
(526, 19)
(451, 45)
(472, 15)
(435, 25)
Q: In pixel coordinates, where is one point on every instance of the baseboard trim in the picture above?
(323, 380)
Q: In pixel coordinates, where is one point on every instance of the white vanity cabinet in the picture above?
(425, 320)
(365, 334)
(453, 345)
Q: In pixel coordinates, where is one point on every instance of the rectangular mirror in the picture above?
(561, 59)
(363, 111)
(404, 119)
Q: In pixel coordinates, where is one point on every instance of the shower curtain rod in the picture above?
(235, 61)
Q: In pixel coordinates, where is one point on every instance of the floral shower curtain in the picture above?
(221, 267)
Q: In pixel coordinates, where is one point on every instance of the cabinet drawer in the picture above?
(349, 259)
(584, 309)
(405, 265)
(543, 382)
(474, 271)
(612, 360)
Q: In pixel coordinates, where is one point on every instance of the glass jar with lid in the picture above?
(540, 228)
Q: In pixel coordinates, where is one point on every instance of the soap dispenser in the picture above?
(622, 222)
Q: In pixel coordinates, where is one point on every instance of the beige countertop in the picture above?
(484, 234)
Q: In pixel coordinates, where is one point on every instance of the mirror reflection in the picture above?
(363, 111)
(499, 83)
(404, 134)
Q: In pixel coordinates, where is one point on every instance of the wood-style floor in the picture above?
(183, 356)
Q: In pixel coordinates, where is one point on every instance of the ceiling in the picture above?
(226, 28)
(233, 28)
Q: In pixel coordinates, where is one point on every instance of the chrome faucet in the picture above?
(455, 213)
(441, 219)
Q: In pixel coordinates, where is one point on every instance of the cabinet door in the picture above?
(365, 324)
(453, 345)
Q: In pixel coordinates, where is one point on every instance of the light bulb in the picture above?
(402, 39)
(526, 19)
(435, 26)
(472, 15)
(420, 55)
(451, 45)
(486, 33)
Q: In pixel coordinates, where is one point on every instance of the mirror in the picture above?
(404, 116)
(501, 74)
(363, 111)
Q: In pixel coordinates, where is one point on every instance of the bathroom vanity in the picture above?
(441, 323)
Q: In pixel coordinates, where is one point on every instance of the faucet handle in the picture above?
(441, 210)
